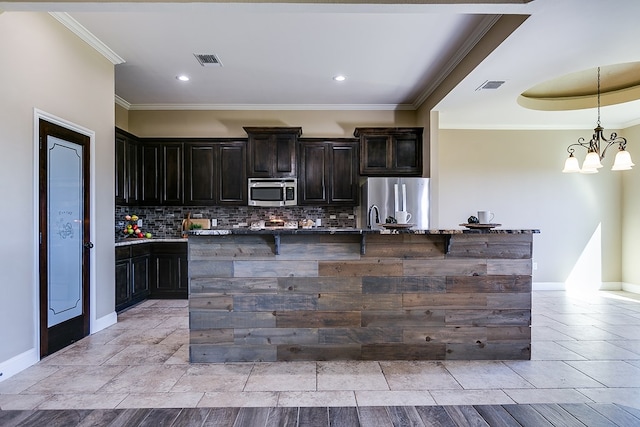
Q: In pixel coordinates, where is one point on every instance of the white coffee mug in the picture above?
(403, 217)
(485, 217)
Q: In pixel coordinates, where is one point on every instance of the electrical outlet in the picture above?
(535, 265)
(139, 223)
(214, 222)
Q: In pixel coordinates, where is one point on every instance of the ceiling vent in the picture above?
(208, 60)
(491, 84)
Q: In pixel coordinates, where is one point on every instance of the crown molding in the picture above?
(123, 103)
(631, 123)
(75, 27)
(479, 32)
(515, 126)
(273, 107)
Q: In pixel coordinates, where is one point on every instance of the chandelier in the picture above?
(596, 149)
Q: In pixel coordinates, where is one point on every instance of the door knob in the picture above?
(88, 245)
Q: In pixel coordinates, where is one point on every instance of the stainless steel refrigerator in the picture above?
(384, 193)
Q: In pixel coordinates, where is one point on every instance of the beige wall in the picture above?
(337, 124)
(631, 211)
(45, 66)
(518, 175)
(122, 117)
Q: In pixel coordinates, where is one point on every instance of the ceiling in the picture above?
(395, 56)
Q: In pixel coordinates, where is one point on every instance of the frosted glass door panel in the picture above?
(64, 219)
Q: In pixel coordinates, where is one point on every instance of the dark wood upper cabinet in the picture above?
(328, 172)
(126, 167)
(149, 174)
(344, 173)
(390, 151)
(172, 174)
(121, 168)
(200, 173)
(232, 173)
(272, 151)
(133, 171)
(215, 173)
(313, 182)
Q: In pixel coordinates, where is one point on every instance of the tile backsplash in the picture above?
(166, 221)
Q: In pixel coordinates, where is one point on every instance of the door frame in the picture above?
(37, 115)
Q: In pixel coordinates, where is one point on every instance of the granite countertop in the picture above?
(136, 241)
(360, 231)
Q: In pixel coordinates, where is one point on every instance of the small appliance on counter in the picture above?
(273, 224)
(382, 197)
(195, 224)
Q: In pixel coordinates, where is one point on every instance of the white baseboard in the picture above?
(631, 287)
(560, 286)
(18, 363)
(611, 286)
(30, 357)
(104, 322)
(548, 286)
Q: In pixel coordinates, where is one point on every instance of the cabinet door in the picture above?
(123, 290)
(343, 177)
(272, 151)
(172, 174)
(121, 169)
(407, 154)
(169, 275)
(200, 174)
(150, 174)
(374, 153)
(313, 179)
(285, 155)
(261, 156)
(390, 151)
(232, 173)
(133, 172)
(139, 277)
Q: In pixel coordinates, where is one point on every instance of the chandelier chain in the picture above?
(598, 96)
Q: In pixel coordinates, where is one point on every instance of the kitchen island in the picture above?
(352, 294)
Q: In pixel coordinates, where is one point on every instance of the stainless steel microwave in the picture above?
(273, 191)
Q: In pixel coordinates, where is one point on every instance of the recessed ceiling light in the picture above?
(339, 78)
(183, 78)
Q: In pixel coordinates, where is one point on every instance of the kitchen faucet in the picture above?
(369, 222)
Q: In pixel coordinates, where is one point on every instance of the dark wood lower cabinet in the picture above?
(150, 270)
(132, 275)
(169, 271)
(123, 287)
(139, 277)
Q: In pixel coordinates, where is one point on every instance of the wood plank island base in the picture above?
(351, 294)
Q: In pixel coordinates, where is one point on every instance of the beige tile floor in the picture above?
(586, 348)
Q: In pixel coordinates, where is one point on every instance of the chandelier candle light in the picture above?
(596, 149)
